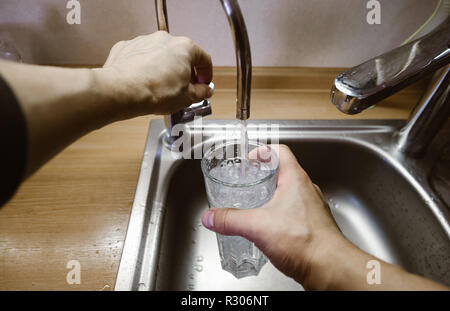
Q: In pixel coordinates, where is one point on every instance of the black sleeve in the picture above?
(13, 143)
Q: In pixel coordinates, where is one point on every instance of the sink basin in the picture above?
(381, 200)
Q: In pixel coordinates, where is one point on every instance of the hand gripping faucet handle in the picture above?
(202, 108)
(242, 51)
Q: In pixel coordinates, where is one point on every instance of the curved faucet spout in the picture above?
(243, 57)
(161, 15)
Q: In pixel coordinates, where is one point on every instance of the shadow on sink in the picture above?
(374, 205)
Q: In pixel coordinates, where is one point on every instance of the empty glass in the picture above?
(235, 181)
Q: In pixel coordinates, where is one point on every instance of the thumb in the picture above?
(231, 221)
(198, 92)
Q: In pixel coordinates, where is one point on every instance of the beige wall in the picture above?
(282, 32)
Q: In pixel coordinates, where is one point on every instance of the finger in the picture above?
(320, 193)
(265, 156)
(198, 92)
(289, 169)
(231, 221)
(262, 154)
(193, 75)
(203, 65)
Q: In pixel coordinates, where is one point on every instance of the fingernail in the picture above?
(208, 219)
(210, 93)
(201, 79)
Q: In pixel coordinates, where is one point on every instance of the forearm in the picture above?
(147, 75)
(344, 267)
(59, 104)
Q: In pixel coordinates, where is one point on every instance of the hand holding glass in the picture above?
(236, 181)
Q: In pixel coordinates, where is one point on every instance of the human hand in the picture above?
(293, 229)
(156, 73)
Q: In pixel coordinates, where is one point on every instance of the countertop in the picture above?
(77, 206)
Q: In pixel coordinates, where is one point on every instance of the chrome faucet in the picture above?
(243, 64)
(364, 85)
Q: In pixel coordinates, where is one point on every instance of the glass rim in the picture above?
(236, 142)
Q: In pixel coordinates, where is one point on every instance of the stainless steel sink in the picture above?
(381, 200)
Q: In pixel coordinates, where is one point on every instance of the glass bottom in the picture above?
(239, 256)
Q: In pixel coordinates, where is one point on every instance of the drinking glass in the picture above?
(243, 182)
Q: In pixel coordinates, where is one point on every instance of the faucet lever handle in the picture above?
(202, 108)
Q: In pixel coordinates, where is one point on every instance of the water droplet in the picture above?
(199, 258)
(140, 285)
(198, 268)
